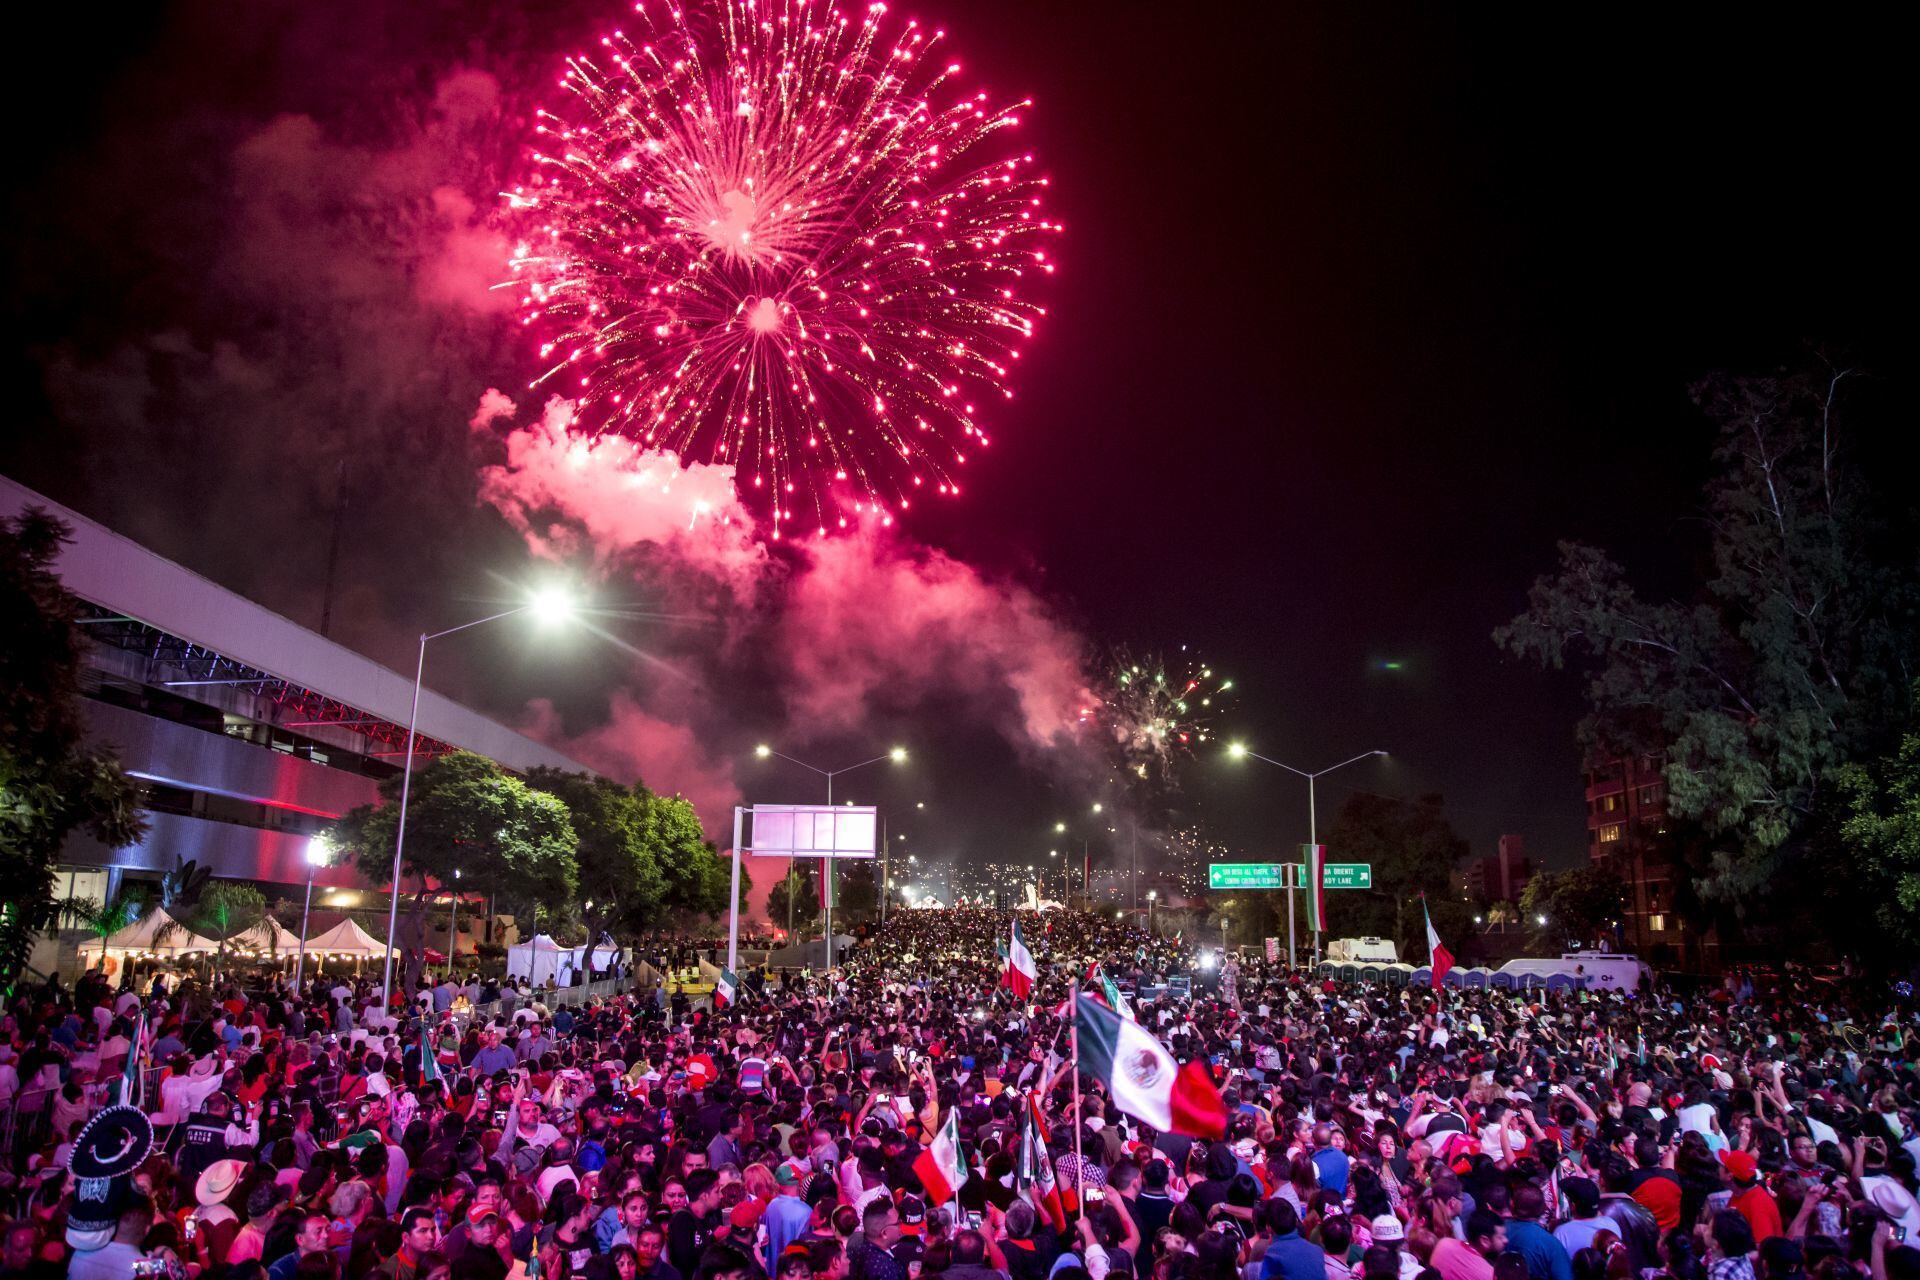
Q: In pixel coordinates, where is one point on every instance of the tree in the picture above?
(1786, 662)
(794, 901)
(225, 910)
(51, 783)
(621, 887)
(698, 880)
(1583, 903)
(1882, 832)
(1413, 850)
(103, 920)
(508, 840)
(859, 892)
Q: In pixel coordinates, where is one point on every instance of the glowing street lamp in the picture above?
(1240, 751)
(319, 854)
(550, 605)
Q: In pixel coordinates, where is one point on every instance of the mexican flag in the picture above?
(1116, 999)
(1437, 953)
(1316, 886)
(1142, 1076)
(131, 1079)
(727, 990)
(1033, 1175)
(429, 1061)
(1020, 971)
(940, 1167)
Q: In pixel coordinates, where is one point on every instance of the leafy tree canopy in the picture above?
(507, 839)
(1413, 849)
(51, 783)
(1787, 660)
(1581, 903)
(621, 884)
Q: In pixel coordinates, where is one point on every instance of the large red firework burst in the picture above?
(768, 234)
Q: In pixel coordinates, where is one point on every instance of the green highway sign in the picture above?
(1246, 875)
(1274, 875)
(1348, 875)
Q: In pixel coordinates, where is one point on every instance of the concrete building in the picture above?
(1627, 833)
(245, 731)
(1501, 876)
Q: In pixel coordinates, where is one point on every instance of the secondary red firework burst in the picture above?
(771, 235)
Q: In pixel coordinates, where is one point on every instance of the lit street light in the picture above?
(1239, 751)
(318, 855)
(551, 604)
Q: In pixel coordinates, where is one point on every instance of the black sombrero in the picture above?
(114, 1143)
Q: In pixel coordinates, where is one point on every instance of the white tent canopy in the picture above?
(540, 958)
(146, 934)
(269, 938)
(346, 939)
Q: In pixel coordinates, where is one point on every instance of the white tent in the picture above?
(346, 939)
(157, 933)
(268, 939)
(540, 958)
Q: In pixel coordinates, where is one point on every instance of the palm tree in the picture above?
(105, 920)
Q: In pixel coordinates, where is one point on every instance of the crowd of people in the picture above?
(1373, 1133)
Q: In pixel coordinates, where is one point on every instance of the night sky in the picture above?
(1360, 309)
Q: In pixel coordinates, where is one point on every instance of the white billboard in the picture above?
(813, 831)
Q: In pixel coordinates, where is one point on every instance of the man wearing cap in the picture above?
(1583, 1201)
(1388, 1234)
(209, 1134)
(786, 1220)
(1546, 1258)
(1750, 1195)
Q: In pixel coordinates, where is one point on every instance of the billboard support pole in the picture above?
(733, 901)
(1292, 884)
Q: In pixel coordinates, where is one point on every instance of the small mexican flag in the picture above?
(1142, 1077)
(1021, 970)
(727, 990)
(940, 1167)
(1439, 959)
(131, 1078)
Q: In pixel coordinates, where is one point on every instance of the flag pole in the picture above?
(1073, 1040)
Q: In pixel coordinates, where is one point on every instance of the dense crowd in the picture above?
(1374, 1133)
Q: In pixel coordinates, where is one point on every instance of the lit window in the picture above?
(1610, 833)
(1657, 923)
(1610, 803)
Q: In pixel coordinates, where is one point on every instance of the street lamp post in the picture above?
(550, 605)
(453, 927)
(317, 852)
(1239, 751)
(898, 755)
(1152, 896)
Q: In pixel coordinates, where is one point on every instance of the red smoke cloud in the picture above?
(634, 743)
(854, 627)
(568, 494)
(871, 620)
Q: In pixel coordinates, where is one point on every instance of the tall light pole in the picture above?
(453, 928)
(318, 855)
(1239, 751)
(898, 755)
(550, 605)
(1153, 895)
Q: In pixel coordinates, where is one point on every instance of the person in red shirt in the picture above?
(1751, 1197)
(1655, 1188)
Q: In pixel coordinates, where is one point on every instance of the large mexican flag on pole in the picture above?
(1142, 1076)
